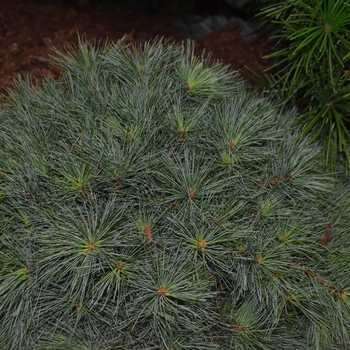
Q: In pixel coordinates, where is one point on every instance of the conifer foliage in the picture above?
(148, 201)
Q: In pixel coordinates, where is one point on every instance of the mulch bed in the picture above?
(29, 30)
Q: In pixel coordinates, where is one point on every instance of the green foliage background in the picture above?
(312, 61)
(148, 201)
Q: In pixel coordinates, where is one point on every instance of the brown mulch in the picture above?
(29, 30)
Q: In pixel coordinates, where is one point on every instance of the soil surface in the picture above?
(30, 29)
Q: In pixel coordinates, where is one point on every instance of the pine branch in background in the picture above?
(311, 67)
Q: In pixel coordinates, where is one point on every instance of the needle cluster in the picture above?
(147, 201)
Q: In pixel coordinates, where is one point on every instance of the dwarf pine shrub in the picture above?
(147, 201)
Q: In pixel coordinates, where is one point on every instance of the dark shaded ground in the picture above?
(29, 30)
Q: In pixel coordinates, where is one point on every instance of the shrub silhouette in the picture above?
(149, 202)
